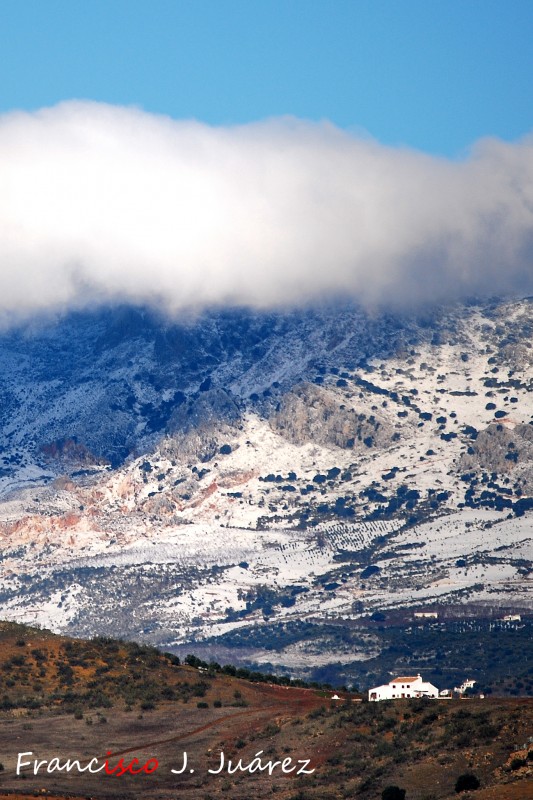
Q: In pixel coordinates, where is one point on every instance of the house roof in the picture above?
(410, 679)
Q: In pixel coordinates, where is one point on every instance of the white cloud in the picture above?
(102, 203)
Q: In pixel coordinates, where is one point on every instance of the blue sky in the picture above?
(433, 75)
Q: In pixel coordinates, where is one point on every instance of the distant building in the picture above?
(411, 686)
(512, 618)
(464, 686)
(426, 615)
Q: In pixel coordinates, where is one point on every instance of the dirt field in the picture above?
(163, 734)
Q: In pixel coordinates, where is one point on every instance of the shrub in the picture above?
(172, 658)
(466, 782)
(39, 655)
(393, 793)
(372, 569)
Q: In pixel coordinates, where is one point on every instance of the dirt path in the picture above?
(293, 705)
(181, 736)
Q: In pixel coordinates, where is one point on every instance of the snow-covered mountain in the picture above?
(177, 481)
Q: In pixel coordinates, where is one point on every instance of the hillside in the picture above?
(176, 482)
(83, 699)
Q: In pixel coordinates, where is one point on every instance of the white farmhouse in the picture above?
(403, 687)
(469, 684)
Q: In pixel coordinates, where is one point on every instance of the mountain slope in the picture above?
(174, 482)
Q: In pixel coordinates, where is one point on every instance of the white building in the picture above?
(512, 618)
(464, 686)
(403, 687)
(426, 615)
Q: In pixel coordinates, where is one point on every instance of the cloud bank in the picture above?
(102, 204)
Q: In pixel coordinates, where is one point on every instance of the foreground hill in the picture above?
(91, 699)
